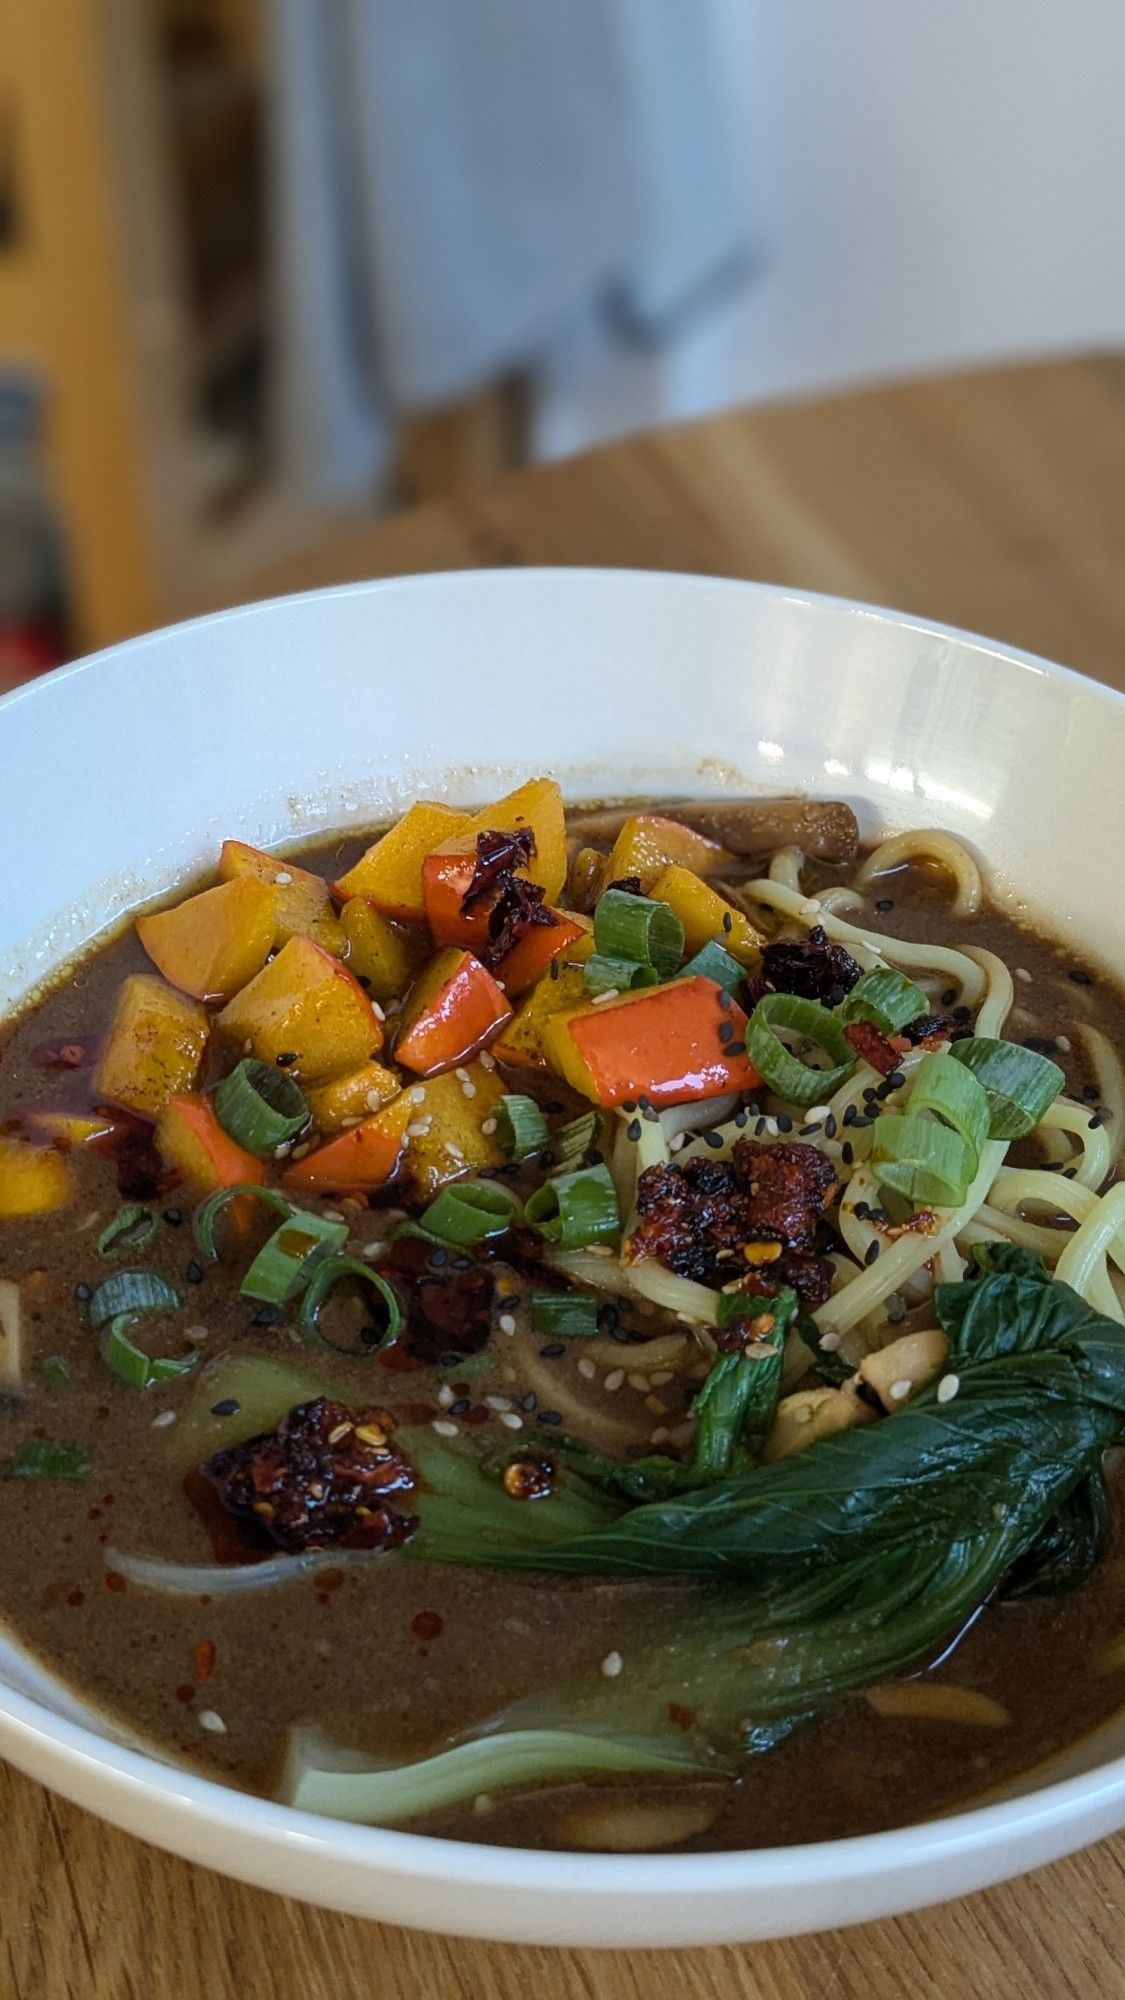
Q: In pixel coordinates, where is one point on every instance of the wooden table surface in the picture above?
(995, 501)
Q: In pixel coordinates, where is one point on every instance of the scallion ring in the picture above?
(208, 1213)
(131, 1292)
(952, 1093)
(521, 1128)
(572, 1141)
(920, 1158)
(470, 1212)
(130, 1227)
(49, 1458)
(712, 962)
(636, 928)
(795, 1081)
(885, 997)
(326, 1276)
(605, 974)
(569, 1314)
(1019, 1083)
(576, 1209)
(260, 1107)
(285, 1262)
(130, 1363)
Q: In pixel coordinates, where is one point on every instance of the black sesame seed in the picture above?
(194, 1273)
(633, 1129)
(229, 1407)
(862, 1210)
(896, 1312)
(462, 1263)
(1069, 1173)
(554, 969)
(784, 1122)
(552, 1350)
(1090, 1092)
(807, 1131)
(437, 1258)
(726, 1032)
(830, 1125)
(83, 1292)
(850, 1115)
(895, 1080)
(740, 1118)
(458, 1408)
(962, 1013)
(265, 1316)
(284, 1061)
(629, 1104)
(759, 1128)
(871, 1253)
(876, 1215)
(1079, 977)
(529, 1401)
(725, 1002)
(847, 1153)
(550, 1417)
(649, 1113)
(884, 904)
(173, 1217)
(450, 1360)
(861, 1124)
(714, 1140)
(608, 1318)
(949, 996)
(1096, 1122)
(645, 1103)
(728, 922)
(1042, 1045)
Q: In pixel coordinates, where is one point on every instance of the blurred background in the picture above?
(273, 267)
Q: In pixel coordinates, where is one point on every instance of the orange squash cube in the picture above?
(305, 1005)
(538, 805)
(155, 1046)
(356, 1095)
(450, 1013)
(386, 958)
(447, 874)
(531, 957)
(647, 843)
(34, 1180)
(390, 873)
(662, 1043)
(211, 944)
(520, 1041)
(431, 1133)
(302, 901)
(190, 1138)
(365, 1157)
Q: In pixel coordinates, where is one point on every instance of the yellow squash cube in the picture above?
(376, 952)
(703, 914)
(390, 873)
(155, 1046)
(302, 901)
(356, 1095)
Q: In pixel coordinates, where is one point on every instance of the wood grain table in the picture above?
(995, 501)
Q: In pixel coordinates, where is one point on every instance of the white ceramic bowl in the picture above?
(122, 774)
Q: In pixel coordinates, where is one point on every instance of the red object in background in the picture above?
(25, 651)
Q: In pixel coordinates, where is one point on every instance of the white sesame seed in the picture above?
(300, 1151)
(661, 1376)
(1064, 1043)
(677, 1140)
(196, 1334)
(283, 878)
(600, 1250)
(377, 1011)
(899, 1391)
(485, 1060)
(417, 1095)
(510, 1418)
(816, 1111)
(947, 1388)
(599, 999)
(612, 1665)
(587, 1369)
(829, 1341)
(212, 1721)
(445, 1396)
(462, 1075)
(468, 1089)
(614, 1379)
(488, 1127)
(374, 1100)
(639, 1381)
(333, 1214)
(443, 1428)
(499, 1402)
(419, 1128)
(372, 1252)
(165, 1418)
(1023, 973)
(809, 908)
(772, 1127)
(483, 1804)
(507, 1322)
(660, 1435)
(803, 1415)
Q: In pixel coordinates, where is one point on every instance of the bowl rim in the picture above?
(134, 1775)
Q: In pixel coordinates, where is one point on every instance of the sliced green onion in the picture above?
(733, 1306)
(575, 1209)
(796, 1081)
(284, 1264)
(130, 1228)
(49, 1458)
(921, 1159)
(604, 974)
(712, 962)
(326, 1276)
(128, 1292)
(55, 1371)
(208, 1213)
(521, 1128)
(568, 1313)
(887, 998)
(469, 1213)
(128, 1361)
(571, 1143)
(260, 1107)
(952, 1092)
(1020, 1084)
(636, 928)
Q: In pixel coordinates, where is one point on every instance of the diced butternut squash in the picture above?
(531, 958)
(379, 954)
(704, 914)
(211, 944)
(520, 1042)
(447, 876)
(302, 901)
(190, 1138)
(67, 1129)
(356, 1095)
(538, 805)
(450, 1012)
(663, 1043)
(305, 1005)
(647, 843)
(155, 1046)
(390, 873)
(34, 1180)
(364, 1157)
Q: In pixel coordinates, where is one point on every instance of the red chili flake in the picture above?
(60, 1055)
(681, 1717)
(77, 1598)
(113, 1580)
(477, 1413)
(427, 1626)
(93, 1513)
(872, 1046)
(203, 1656)
(185, 1693)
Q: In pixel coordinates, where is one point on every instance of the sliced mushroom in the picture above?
(825, 828)
(938, 1701)
(628, 1827)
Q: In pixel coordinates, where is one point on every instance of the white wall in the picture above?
(929, 182)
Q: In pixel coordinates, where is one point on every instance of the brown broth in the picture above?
(358, 1656)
